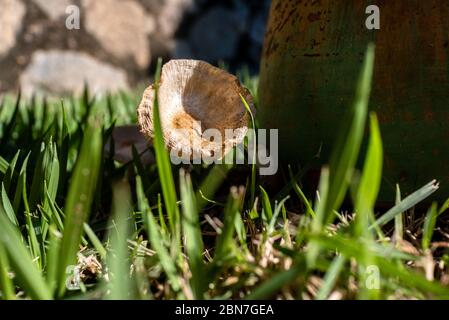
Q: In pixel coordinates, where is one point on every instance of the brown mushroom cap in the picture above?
(195, 96)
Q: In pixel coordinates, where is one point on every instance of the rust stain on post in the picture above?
(312, 55)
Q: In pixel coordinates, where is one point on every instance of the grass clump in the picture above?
(75, 223)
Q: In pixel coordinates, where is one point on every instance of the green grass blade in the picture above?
(443, 207)
(167, 262)
(317, 225)
(412, 279)
(25, 269)
(160, 212)
(163, 162)
(9, 128)
(6, 283)
(21, 182)
(37, 184)
(407, 203)
(79, 199)
(301, 194)
(192, 235)
(277, 282)
(429, 226)
(266, 205)
(331, 278)
(53, 257)
(370, 181)
(64, 148)
(365, 200)
(120, 283)
(252, 136)
(95, 241)
(398, 223)
(35, 248)
(55, 216)
(50, 185)
(346, 149)
(240, 230)
(7, 179)
(211, 184)
(52, 172)
(277, 211)
(7, 207)
(4, 165)
(345, 154)
(140, 168)
(155, 237)
(225, 242)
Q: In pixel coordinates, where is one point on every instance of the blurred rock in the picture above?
(125, 37)
(121, 27)
(168, 15)
(11, 16)
(215, 35)
(66, 72)
(54, 8)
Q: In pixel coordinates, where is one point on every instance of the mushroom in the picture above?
(193, 98)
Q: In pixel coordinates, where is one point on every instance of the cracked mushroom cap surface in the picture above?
(193, 97)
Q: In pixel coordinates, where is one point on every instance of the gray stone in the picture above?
(121, 27)
(54, 9)
(215, 35)
(65, 72)
(11, 16)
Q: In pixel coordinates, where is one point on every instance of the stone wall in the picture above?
(44, 47)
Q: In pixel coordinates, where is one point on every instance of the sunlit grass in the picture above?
(76, 223)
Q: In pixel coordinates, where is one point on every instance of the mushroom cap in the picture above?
(193, 97)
